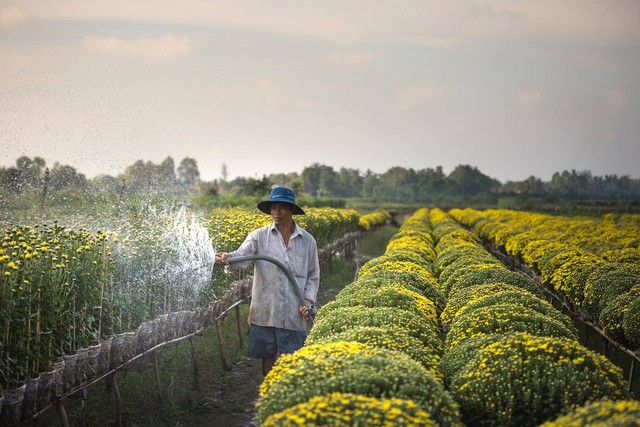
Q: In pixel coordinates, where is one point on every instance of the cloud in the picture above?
(11, 15)
(165, 47)
(351, 57)
(420, 96)
(427, 22)
(528, 98)
(615, 99)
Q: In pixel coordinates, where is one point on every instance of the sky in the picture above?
(515, 88)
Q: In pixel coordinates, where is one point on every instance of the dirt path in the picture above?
(231, 401)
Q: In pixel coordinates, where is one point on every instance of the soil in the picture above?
(231, 401)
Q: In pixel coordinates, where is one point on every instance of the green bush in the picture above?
(504, 318)
(351, 367)
(523, 380)
(601, 413)
(337, 409)
(465, 264)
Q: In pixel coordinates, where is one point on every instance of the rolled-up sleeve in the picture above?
(313, 274)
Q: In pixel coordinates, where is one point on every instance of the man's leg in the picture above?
(267, 364)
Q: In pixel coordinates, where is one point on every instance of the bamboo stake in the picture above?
(194, 363)
(157, 375)
(62, 413)
(116, 394)
(223, 357)
(239, 325)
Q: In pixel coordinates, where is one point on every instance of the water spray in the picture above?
(282, 267)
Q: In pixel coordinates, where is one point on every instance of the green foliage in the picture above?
(523, 380)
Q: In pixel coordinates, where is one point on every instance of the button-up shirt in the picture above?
(274, 301)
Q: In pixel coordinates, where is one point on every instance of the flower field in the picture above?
(66, 287)
(593, 264)
(437, 331)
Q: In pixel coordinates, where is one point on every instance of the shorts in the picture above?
(267, 342)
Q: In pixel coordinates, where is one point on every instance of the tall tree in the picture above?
(188, 173)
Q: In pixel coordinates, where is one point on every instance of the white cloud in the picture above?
(165, 47)
(616, 99)
(351, 57)
(11, 15)
(414, 97)
(528, 98)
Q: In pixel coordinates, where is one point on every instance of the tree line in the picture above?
(397, 184)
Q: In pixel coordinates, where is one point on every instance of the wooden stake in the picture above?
(194, 362)
(225, 364)
(239, 325)
(62, 413)
(116, 394)
(157, 373)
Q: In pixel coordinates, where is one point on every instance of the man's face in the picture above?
(282, 213)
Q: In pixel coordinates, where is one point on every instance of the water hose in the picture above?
(282, 267)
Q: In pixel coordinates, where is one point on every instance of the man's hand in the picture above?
(220, 258)
(308, 309)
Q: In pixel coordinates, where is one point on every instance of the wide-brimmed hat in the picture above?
(280, 195)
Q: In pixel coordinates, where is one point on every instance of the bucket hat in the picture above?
(280, 195)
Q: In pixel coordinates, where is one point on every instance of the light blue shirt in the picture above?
(274, 301)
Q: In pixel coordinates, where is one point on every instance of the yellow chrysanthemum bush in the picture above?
(392, 338)
(394, 296)
(481, 275)
(566, 272)
(341, 409)
(459, 300)
(523, 380)
(607, 281)
(631, 323)
(352, 367)
(425, 285)
(612, 317)
(504, 318)
(331, 321)
(600, 413)
(516, 298)
(374, 219)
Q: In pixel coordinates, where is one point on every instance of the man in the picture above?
(276, 317)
